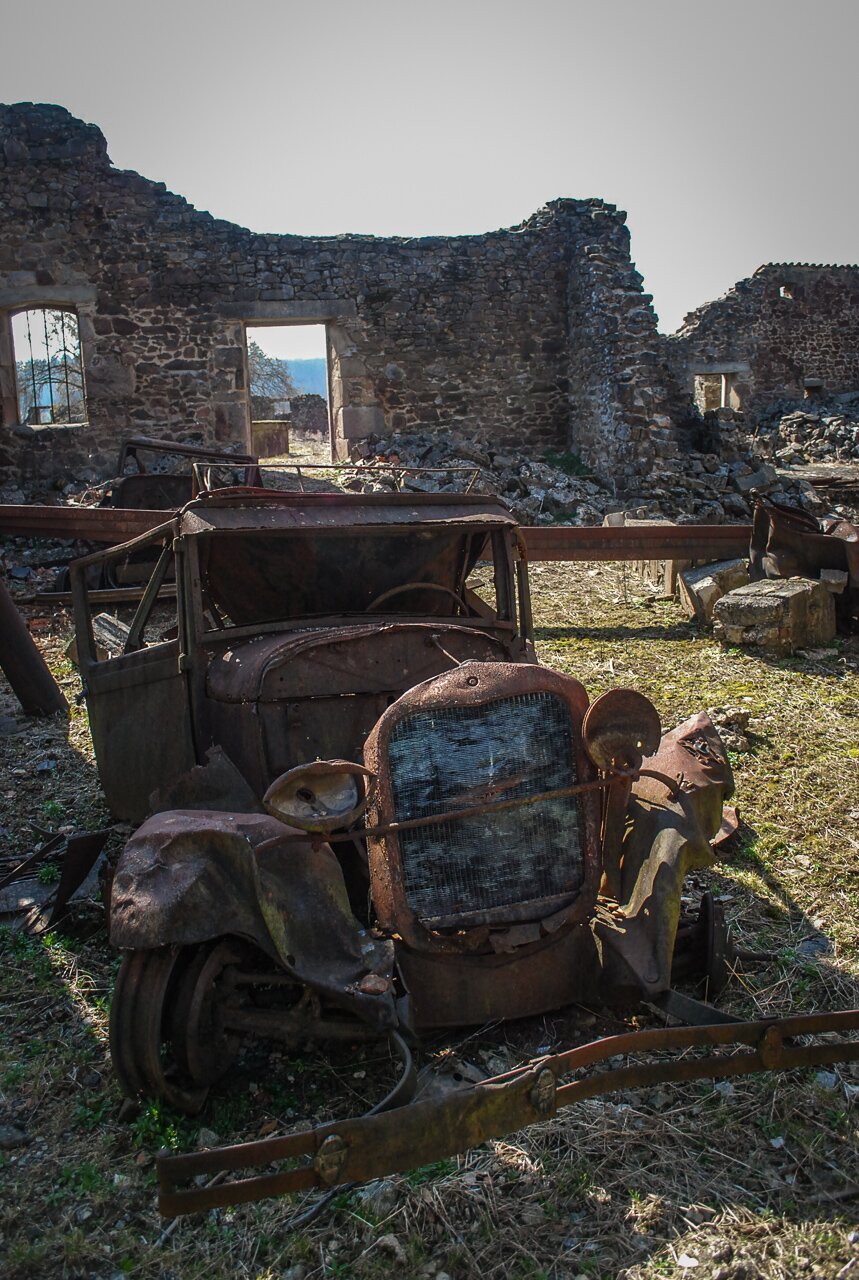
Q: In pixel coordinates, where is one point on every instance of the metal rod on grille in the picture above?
(455, 815)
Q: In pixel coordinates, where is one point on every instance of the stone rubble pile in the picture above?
(803, 436)
(683, 485)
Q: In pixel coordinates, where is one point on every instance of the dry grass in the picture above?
(758, 1180)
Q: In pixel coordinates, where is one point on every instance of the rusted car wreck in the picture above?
(371, 812)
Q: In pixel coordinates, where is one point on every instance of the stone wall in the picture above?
(537, 337)
(776, 336)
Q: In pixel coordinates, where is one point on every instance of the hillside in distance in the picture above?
(309, 376)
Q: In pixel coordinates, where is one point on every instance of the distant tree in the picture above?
(269, 377)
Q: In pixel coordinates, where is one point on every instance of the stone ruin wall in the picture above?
(536, 337)
(789, 324)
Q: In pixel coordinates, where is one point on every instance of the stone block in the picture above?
(701, 587)
(780, 615)
(360, 421)
(760, 479)
(834, 580)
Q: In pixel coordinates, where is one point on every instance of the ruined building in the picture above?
(535, 337)
(788, 333)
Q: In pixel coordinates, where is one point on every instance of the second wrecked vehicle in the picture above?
(374, 813)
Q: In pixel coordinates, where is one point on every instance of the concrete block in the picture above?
(780, 615)
(700, 588)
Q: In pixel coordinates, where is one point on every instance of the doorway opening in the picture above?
(288, 391)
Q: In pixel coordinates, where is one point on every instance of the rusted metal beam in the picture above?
(92, 524)
(106, 595)
(24, 667)
(637, 542)
(544, 542)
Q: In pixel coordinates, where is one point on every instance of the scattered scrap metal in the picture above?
(787, 542)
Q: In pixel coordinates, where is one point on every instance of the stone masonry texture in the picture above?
(788, 325)
(535, 338)
(538, 336)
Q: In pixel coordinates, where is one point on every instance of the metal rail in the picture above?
(637, 541)
(544, 542)
(92, 524)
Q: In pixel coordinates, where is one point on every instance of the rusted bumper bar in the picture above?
(421, 1133)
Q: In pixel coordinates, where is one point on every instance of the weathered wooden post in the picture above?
(23, 665)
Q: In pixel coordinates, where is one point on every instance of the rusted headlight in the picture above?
(321, 796)
(620, 728)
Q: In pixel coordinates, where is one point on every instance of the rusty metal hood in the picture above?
(237, 674)
(267, 509)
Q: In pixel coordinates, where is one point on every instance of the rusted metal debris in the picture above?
(89, 524)
(375, 808)
(78, 854)
(787, 542)
(394, 1141)
(651, 541)
(23, 665)
(169, 491)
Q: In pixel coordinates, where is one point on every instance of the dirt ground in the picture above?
(746, 1180)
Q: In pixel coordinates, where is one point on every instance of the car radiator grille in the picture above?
(457, 757)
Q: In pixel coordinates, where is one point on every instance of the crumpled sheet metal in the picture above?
(787, 542)
(667, 836)
(187, 876)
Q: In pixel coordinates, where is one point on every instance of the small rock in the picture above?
(533, 1215)
(816, 945)
(12, 1135)
(826, 1080)
(390, 1244)
(777, 1143)
(207, 1138)
(379, 1196)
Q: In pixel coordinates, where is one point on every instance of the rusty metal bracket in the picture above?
(393, 1141)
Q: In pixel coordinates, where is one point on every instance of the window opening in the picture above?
(708, 391)
(48, 366)
(288, 389)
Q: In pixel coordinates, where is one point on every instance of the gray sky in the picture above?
(726, 129)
